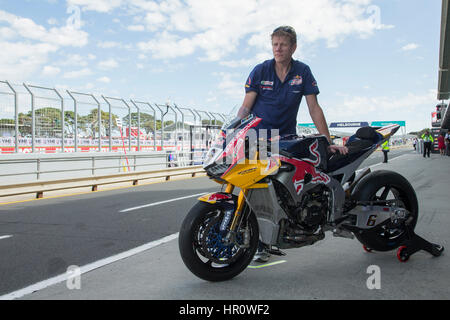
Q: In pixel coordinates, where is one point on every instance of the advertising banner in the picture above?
(306, 125)
(386, 123)
(349, 124)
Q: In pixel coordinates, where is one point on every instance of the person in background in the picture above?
(385, 148)
(441, 144)
(427, 141)
(447, 142)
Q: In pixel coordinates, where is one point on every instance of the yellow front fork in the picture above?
(240, 206)
(229, 188)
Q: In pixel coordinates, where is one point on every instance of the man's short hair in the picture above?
(285, 31)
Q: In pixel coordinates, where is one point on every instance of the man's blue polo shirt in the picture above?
(277, 103)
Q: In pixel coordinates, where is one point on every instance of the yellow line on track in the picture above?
(267, 264)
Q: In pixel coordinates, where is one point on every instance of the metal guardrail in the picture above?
(182, 159)
(39, 187)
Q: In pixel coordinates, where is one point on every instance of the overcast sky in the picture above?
(373, 60)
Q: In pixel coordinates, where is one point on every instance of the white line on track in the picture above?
(161, 202)
(87, 268)
(5, 237)
(103, 262)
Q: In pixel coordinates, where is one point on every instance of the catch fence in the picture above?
(36, 119)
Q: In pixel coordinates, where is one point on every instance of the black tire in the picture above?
(204, 217)
(390, 185)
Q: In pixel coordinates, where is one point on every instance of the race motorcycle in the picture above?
(290, 196)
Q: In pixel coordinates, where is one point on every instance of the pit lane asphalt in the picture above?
(50, 235)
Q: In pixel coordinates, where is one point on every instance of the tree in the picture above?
(7, 121)
(421, 132)
(69, 122)
(89, 123)
(212, 122)
(147, 121)
(47, 121)
(25, 124)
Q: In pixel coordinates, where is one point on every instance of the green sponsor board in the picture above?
(386, 123)
(306, 125)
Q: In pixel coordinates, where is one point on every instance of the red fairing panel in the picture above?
(219, 196)
(304, 166)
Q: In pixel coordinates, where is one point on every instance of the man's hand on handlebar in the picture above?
(341, 149)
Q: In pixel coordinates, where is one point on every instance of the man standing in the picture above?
(274, 90)
(427, 141)
(385, 148)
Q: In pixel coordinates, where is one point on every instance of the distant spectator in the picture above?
(447, 142)
(441, 144)
(385, 148)
(427, 141)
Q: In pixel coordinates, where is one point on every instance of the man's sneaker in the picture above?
(261, 255)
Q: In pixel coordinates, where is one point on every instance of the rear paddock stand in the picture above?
(414, 243)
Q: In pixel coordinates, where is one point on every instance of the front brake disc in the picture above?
(215, 246)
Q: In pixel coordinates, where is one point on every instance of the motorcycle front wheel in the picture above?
(206, 248)
(386, 185)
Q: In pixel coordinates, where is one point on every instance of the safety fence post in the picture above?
(176, 125)
(33, 119)
(16, 117)
(109, 124)
(162, 125)
(62, 120)
(75, 129)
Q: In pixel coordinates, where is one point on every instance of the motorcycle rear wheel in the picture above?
(386, 185)
(204, 250)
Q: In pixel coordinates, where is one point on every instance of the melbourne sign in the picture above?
(348, 124)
